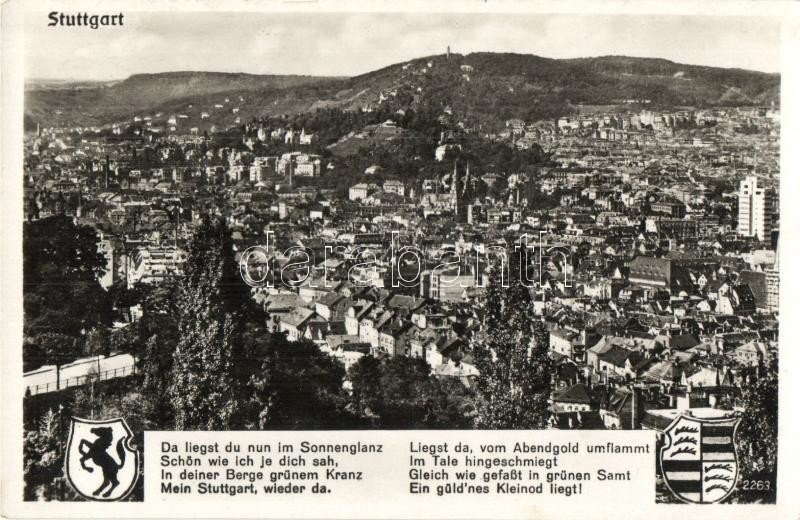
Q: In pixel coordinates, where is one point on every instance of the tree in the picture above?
(43, 459)
(61, 292)
(153, 340)
(364, 376)
(299, 387)
(123, 297)
(757, 436)
(400, 404)
(134, 216)
(211, 306)
(65, 307)
(98, 342)
(89, 400)
(156, 366)
(448, 404)
(400, 392)
(58, 349)
(512, 355)
(55, 247)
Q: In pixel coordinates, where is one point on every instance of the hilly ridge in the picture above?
(486, 87)
(144, 92)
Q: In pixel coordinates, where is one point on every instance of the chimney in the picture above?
(105, 172)
(634, 406)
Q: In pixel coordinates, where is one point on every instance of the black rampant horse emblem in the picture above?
(698, 460)
(100, 463)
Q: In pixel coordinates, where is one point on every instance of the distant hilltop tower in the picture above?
(448, 53)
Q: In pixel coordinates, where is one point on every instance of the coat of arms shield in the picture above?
(100, 463)
(698, 459)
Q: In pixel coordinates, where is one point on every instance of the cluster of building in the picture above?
(658, 280)
(674, 128)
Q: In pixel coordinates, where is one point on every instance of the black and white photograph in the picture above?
(344, 222)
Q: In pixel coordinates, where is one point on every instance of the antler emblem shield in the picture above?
(698, 460)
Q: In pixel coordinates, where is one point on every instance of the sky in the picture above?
(350, 44)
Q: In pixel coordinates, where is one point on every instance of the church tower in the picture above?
(465, 187)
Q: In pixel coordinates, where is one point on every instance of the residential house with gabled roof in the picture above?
(278, 303)
(312, 290)
(317, 331)
(683, 341)
(620, 361)
(349, 352)
(357, 310)
(407, 305)
(592, 355)
(561, 341)
(624, 410)
(433, 354)
(295, 322)
(605, 343)
(573, 398)
(740, 301)
(745, 300)
(577, 420)
(394, 338)
(453, 349)
(332, 306)
(667, 373)
(705, 377)
(370, 324)
(465, 372)
(750, 353)
(419, 340)
(757, 282)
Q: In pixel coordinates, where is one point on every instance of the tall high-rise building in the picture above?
(757, 205)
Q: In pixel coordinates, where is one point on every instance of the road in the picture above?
(43, 379)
